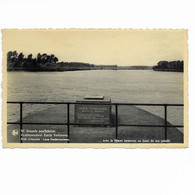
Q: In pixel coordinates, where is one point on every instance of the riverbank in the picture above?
(61, 68)
(80, 134)
(168, 70)
(65, 66)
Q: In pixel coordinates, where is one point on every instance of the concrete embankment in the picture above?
(80, 134)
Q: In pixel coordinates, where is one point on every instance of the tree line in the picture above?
(15, 60)
(45, 62)
(42, 62)
(177, 66)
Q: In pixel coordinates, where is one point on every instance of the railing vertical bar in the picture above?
(116, 120)
(165, 112)
(21, 122)
(68, 121)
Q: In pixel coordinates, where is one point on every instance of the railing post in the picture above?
(165, 112)
(68, 120)
(21, 122)
(116, 120)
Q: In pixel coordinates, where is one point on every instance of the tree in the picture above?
(162, 64)
(9, 55)
(38, 58)
(29, 58)
(12, 56)
(55, 59)
(15, 54)
(44, 58)
(21, 57)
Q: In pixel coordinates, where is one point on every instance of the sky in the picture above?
(106, 47)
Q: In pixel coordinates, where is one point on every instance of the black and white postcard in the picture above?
(97, 88)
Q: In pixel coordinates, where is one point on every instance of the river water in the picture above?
(132, 86)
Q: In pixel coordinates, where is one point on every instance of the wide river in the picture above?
(133, 86)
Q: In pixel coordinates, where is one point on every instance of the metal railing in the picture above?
(116, 124)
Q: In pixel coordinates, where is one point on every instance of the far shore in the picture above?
(62, 69)
(44, 62)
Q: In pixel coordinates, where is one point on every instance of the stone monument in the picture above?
(94, 113)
